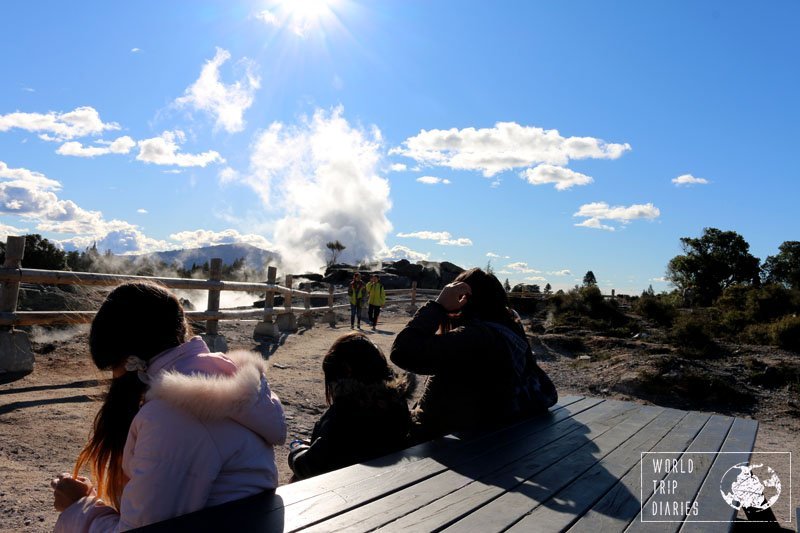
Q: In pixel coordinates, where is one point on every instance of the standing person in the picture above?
(482, 370)
(376, 298)
(180, 428)
(367, 415)
(356, 292)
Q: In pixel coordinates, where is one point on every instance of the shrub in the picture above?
(757, 334)
(692, 334)
(655, 309)
(786, 333)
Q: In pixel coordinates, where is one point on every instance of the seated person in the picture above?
(367, 415)
(482, 371)
(180, 429)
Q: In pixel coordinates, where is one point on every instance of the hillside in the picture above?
(254, 257)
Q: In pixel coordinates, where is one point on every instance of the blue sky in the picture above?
(551, 138)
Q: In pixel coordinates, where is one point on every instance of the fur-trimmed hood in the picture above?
(214, 386)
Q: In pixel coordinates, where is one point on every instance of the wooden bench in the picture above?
(579, 468)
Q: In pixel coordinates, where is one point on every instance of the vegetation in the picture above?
(711, 263)
(589, 280)
(39, 253)
(336, 248)
(784, 268)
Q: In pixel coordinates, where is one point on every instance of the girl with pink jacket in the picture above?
(180, 429)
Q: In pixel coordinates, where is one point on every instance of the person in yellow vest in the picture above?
(376, 299)
(356, 292)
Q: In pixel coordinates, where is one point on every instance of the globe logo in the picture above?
(750, 486)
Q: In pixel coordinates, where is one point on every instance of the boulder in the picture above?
(404, 268)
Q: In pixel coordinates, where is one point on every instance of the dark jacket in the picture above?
(472, 378)
(364, 422)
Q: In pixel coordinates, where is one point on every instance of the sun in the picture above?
(303, 16)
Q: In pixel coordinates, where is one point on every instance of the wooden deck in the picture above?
(587, 466)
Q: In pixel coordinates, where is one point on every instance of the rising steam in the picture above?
(323, 173)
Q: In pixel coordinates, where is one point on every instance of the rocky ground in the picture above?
(45, 416)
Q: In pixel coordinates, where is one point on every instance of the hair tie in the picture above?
(135, 364)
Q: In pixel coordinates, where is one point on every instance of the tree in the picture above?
(589, 280)
(711, 263)
(507, 286)
(39, 253)
(784, 268)
(548, 290)
(489, 269)
(336, 248)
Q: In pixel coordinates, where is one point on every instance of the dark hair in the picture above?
(354, 356)
(136, 319)
(488, 300)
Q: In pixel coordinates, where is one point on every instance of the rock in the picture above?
(404, 268)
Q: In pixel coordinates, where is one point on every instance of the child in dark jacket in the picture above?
(367, 416)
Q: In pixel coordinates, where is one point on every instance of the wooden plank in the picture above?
(531, 442)
(710, 439)
(345, 492)
(620, 505)
(566, 506)
(578, 443)
(507, 508)
(714, 511)
(267, 512)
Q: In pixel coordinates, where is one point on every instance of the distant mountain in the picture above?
(254, 257)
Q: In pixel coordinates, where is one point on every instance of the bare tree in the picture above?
(336, 248)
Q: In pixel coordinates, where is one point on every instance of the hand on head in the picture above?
(454, 296)
(67, 490)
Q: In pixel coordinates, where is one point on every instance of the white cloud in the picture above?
(228, 175)
(142, 211)
(535, 278)
(442, 238)
(164, 150)
(121, 145)
(28, 177)
(426, 235)
(227, 103)
(599, 211)
(122, 241)
(461, 241)
(492, 255)
(563, 178)
(595, 223)
(396, 253)
(323, 173)
(52, 126)
(688, 179)
(564, 272)
(267, 17)
(6, 230)
(506, 146)
(522, 268)
(200, 237)
(398, 167)
(135, 50)
(432, 180)
(661, 279)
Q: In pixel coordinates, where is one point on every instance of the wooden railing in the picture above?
(12, 274)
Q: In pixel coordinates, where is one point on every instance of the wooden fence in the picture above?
(272, 320)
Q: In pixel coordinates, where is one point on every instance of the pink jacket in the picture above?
(203, 437)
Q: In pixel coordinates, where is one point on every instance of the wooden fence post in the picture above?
(330, 315)
(15, 347)
(307, 318)
(286, 320)
(15, 249)
(413, 307)
(267, 326)
(214, 340)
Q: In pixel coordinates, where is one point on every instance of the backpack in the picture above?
(534, 391)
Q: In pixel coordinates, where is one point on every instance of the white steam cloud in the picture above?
(324, 173)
